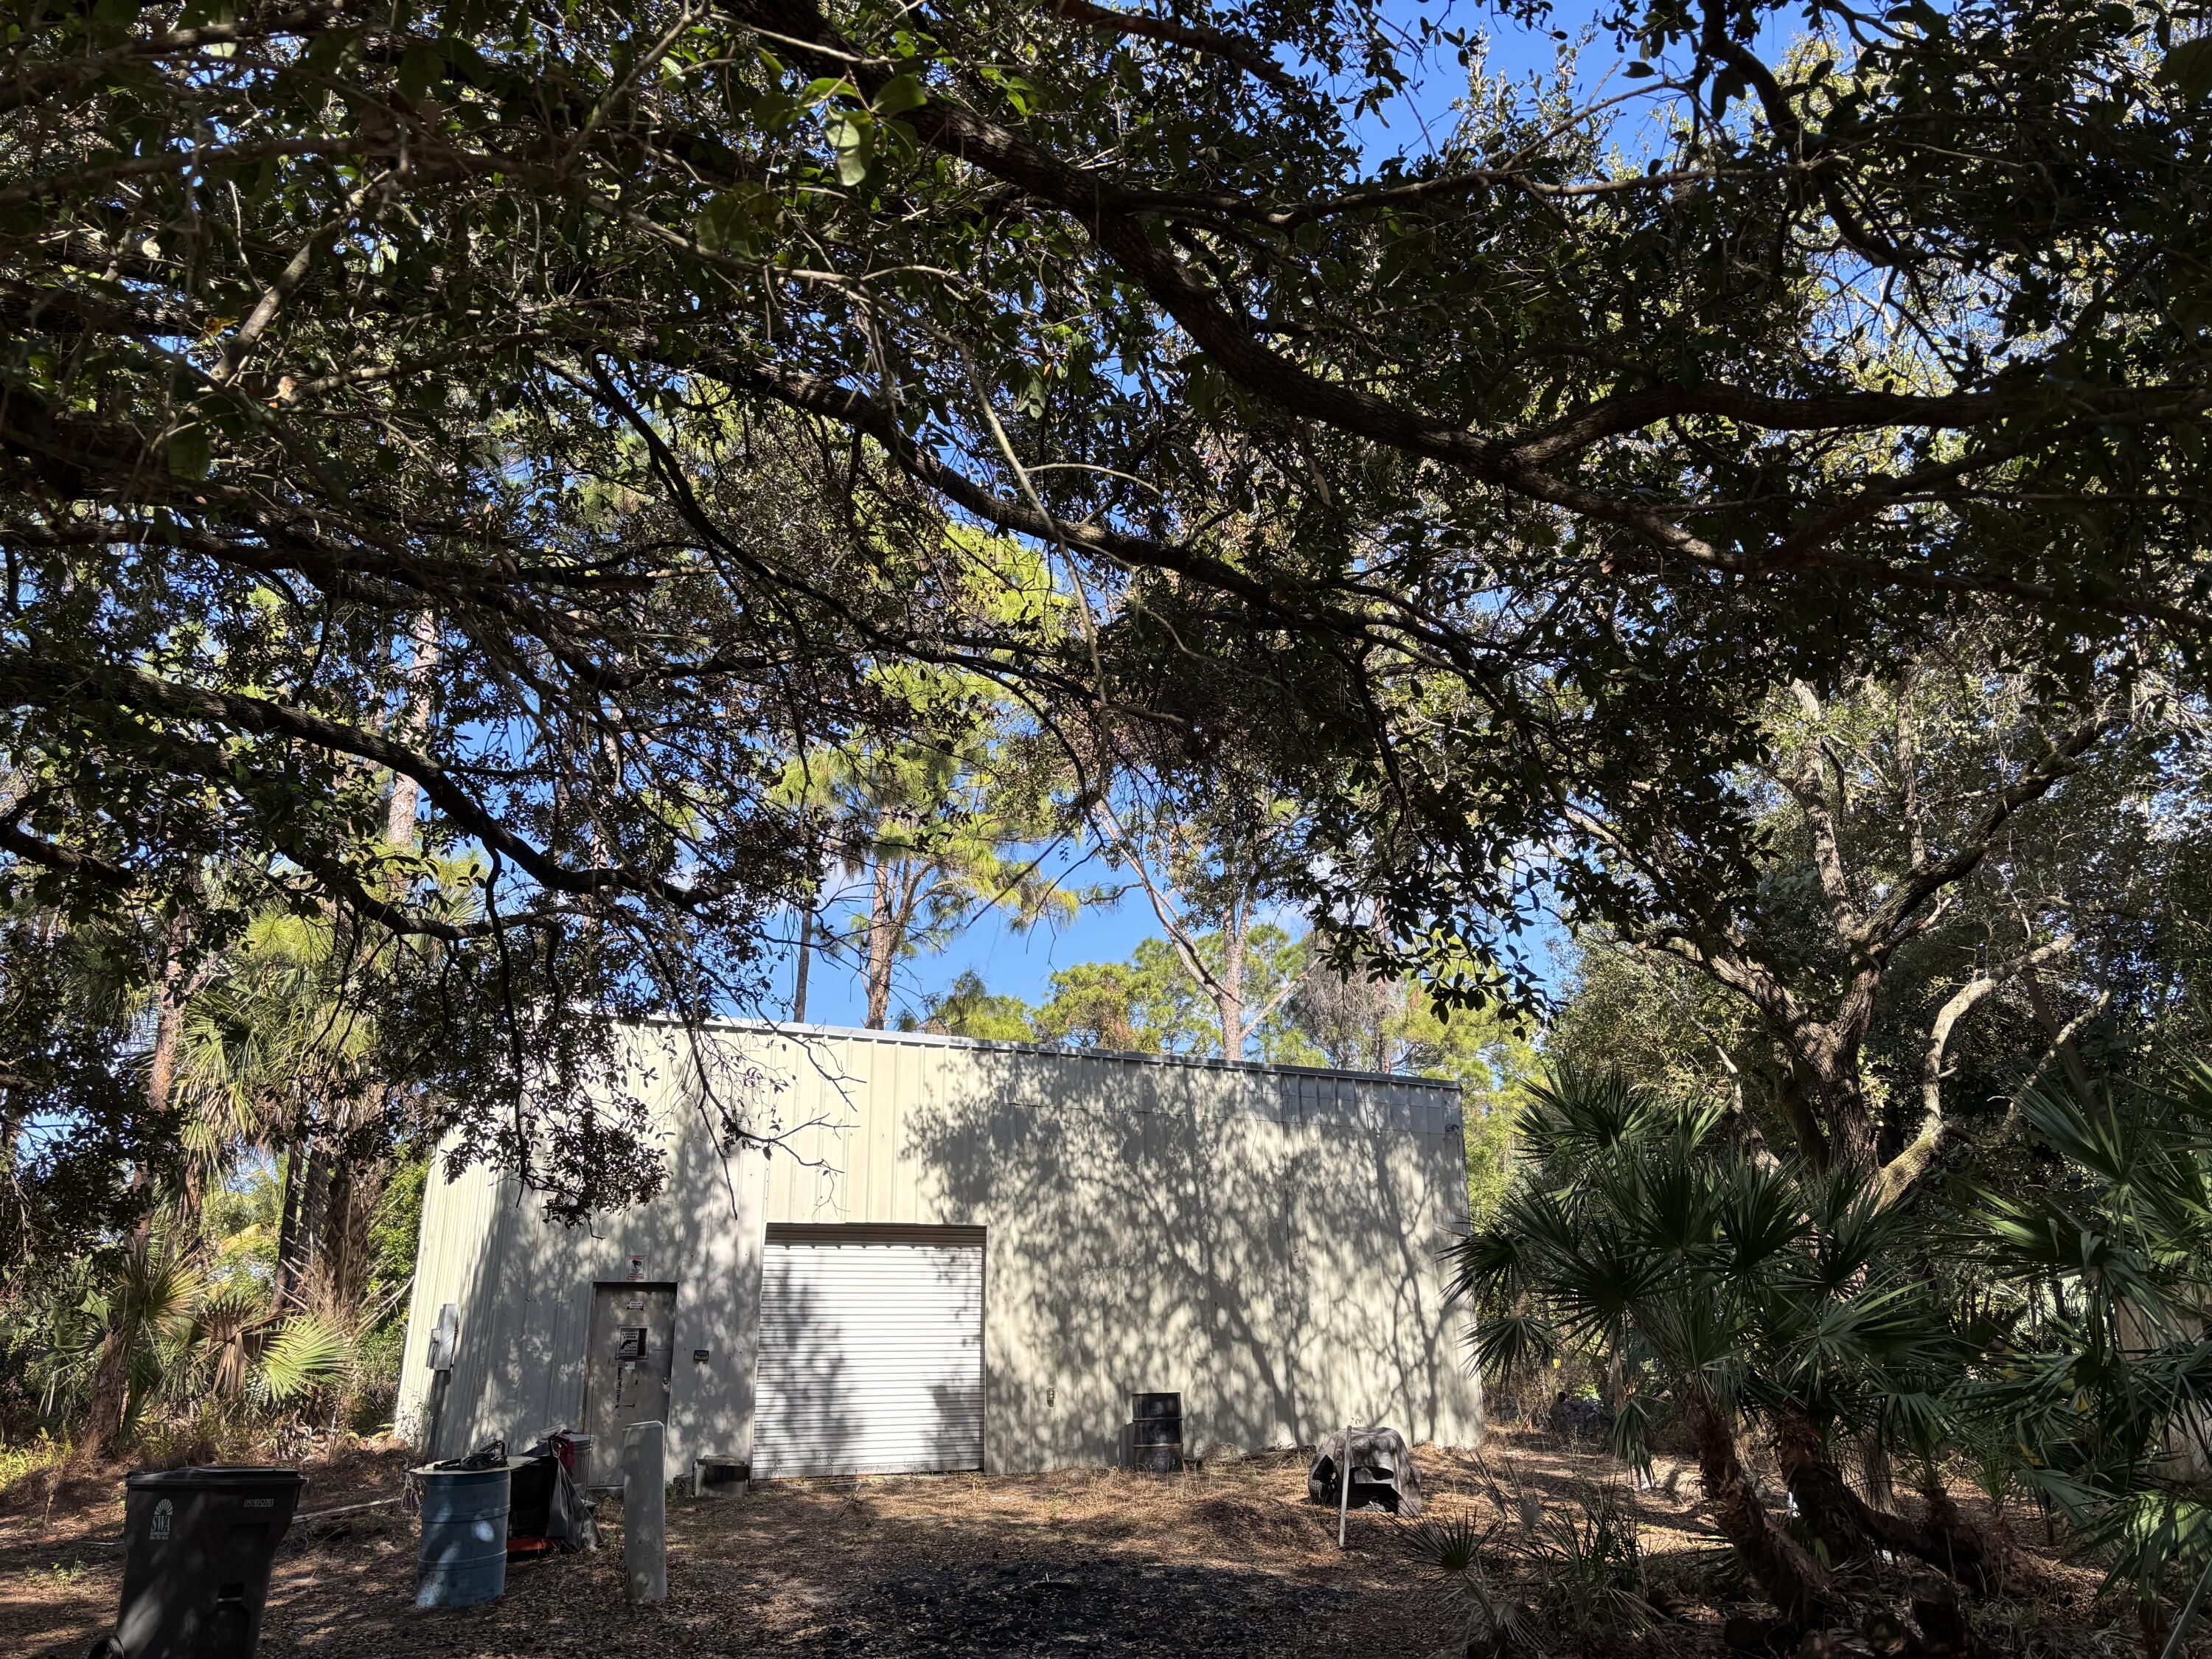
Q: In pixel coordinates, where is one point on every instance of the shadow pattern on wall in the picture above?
(1154, 1229)
(524, 1288)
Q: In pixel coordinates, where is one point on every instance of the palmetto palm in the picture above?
(186, 1341)
(1758, 1293)
(2104, 1381)
(235, 1349)
(278, 1051)
(263, 1038)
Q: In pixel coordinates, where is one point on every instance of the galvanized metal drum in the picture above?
(464, 1558)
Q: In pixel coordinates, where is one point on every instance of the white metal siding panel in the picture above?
(460, 1219)
(871, 1359)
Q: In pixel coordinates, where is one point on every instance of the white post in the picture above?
(1344, 1485)
(645, 1513)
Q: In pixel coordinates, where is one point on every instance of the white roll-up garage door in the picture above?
(871, 1351)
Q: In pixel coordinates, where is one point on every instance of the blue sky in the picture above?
(1417, 122)
(1022, 964)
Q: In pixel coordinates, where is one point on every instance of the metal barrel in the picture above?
(464, 1557)
(1156, 1432)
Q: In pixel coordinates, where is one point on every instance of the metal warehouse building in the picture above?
(967, 1255)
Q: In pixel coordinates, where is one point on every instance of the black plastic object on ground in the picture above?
(548, 1506)
(1382, 1472)
(531, 1490)
(196, 1548)
(1156, 1432)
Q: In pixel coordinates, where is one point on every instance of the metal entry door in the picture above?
(633, 1351)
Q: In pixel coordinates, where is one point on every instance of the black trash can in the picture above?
(196, 1548)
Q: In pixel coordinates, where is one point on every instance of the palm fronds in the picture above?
(1743, 1290)
(1447, 1550)
(1592, 1557)
(308, 1354)
(2100, 1399)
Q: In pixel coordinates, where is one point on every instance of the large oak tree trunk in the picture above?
(1825, 1104)
(1846, 1121)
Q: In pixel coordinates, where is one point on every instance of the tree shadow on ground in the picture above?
(1108, 1605)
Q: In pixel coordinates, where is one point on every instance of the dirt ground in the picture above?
(1227, 1559)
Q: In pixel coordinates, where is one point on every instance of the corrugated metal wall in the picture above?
(524, 1288)
(1263, 1240)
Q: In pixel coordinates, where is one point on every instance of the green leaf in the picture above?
(732, 219)
(422, 66)
(2188, 68)
(326, 52)
(852, 135)
(189, 452)
(308, 1352)
(901, 93)
(471, 65)
(1203, 390)
(773, 111)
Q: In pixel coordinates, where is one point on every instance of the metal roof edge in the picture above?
(934, 1040)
